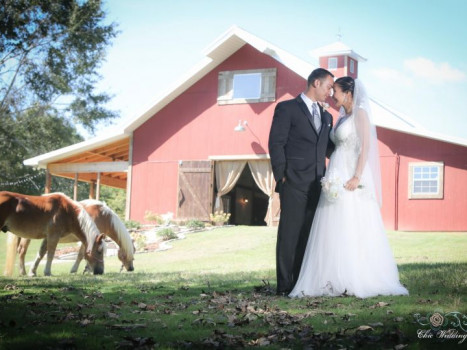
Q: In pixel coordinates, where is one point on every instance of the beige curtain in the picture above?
(227, 174)
(264, 178)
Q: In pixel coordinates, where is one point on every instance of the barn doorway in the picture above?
(246, 202)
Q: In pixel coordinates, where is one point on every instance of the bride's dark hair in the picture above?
(346, 84)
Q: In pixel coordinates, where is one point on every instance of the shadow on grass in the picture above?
(215, 310)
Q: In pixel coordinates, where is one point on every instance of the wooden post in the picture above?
(92, 190)
(98, 185)
(48, 181)
(75, 188)
(128, 179)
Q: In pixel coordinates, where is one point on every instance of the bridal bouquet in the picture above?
(333, 186)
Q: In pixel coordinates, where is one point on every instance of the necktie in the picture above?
(315, 115)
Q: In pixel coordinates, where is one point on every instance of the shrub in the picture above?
(195, 224)
(167, 234)
(153, 217)
(219, 216)
(139, 240)
(132, 225)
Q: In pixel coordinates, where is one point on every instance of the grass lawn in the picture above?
(215, 289)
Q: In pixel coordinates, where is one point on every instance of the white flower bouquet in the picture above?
(332, 187)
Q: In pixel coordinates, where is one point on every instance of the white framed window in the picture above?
(426, 180)
(352, 66)
(247, 86)
(332, 63)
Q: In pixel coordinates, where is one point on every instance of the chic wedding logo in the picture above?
(448, 326)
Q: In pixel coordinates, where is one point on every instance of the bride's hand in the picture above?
(352, 184)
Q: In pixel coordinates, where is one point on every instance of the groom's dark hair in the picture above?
(318, 73)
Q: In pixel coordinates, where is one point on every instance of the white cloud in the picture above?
(393, 75)
(424, 68)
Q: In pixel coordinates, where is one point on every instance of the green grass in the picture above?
(215, 289)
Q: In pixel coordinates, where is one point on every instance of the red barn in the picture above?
(203, 145)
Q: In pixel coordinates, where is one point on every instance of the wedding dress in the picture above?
(348, 252)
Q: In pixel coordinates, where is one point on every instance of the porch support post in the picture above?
(75, 188)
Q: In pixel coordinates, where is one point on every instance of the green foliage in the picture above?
(167, 234)
(195, 224)
(50, 53)
(132, 225)
(115, 198)
(139, 240)
(50, 50)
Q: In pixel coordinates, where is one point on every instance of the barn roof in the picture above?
(222, 48)
(234, 38)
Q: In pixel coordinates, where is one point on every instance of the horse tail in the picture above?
(126, 243)
(11, 246)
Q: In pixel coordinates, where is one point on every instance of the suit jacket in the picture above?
(298, 152)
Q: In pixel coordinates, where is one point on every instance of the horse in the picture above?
(108, 223)
(53, 217)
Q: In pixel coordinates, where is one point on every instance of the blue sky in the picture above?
(416, 49)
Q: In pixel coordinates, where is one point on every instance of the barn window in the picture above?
(332, 63)
(247, 86)
(426, 180)
(352, 66)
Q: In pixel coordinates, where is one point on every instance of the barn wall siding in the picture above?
(447, 214)
(194, 127)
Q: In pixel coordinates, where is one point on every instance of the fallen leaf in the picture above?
(400, 346)
(376, 324)
(379, 304)
(112, 315)
(85, 322)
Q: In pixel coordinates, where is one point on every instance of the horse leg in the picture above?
(39, 256)
(79, 257)
(52, 241)
(22, 250)
(12, 243)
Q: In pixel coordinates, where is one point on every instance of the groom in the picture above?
(298, 145)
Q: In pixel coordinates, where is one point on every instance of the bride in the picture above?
(348, 252)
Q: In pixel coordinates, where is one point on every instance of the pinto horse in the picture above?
(108, 223)
(53, 217)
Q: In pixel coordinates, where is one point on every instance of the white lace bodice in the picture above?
(347, 141)
(346, 137)
(344, 160)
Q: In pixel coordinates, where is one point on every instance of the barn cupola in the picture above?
(339, 59)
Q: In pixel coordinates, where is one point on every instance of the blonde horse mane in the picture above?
(88, 227)
(126, 243)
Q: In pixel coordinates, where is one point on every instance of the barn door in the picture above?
(195, 179)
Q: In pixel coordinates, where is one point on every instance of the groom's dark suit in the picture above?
(298, 153)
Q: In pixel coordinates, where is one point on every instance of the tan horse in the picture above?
(52, 217)
(108, 223)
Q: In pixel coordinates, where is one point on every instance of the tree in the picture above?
(50, 53)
